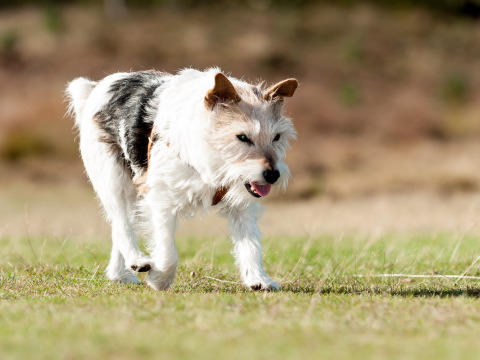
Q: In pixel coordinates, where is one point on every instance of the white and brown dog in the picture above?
(170, 145)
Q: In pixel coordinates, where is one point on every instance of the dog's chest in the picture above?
(180, 184)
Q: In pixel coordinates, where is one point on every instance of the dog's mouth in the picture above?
(258, 190)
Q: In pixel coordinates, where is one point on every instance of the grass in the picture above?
(57, 304)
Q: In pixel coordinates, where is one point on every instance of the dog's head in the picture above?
(250, 135)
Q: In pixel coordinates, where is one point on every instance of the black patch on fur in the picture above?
(131, 112)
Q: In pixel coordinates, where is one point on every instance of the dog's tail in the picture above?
(77, 93)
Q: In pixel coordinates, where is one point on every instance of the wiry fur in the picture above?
(193, 121)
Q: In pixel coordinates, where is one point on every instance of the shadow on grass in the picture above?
(425, 292)
(471, 292)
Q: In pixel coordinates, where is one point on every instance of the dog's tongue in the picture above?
(261, 190)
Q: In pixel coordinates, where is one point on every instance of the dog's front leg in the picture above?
(247, 248)
(162, 245)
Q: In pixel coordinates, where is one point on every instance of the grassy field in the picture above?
(57, 304)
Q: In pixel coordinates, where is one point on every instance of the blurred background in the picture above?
(387, 110)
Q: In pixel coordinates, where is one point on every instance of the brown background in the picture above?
(387, 108)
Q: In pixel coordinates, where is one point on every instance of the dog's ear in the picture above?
(223, 91)
(285, 88)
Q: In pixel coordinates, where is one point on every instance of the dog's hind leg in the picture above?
(115, 189)
(248, 250)
(162, 245)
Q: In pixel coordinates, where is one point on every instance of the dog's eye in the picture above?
(277, 137)
(244, 138)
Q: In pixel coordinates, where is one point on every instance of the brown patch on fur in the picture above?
(151, 140)
(219, 195)
(223, 91)
(268, 162)
(142, 188)
(285, 88)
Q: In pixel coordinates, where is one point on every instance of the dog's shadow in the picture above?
(468, 292)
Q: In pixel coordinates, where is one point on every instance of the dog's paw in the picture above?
(161, 279)
(261, 282)
(272, 286)
(125, 277)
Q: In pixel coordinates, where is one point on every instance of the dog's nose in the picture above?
(271, 176)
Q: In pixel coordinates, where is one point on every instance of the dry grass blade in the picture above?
(468, 269)
(418, 276)
(222, 281)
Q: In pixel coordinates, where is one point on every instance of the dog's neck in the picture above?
(219, 193)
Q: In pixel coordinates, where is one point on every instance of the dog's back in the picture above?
(126, 117)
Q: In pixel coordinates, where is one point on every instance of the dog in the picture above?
(170, 145)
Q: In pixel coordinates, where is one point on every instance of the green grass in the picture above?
(57, 304)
